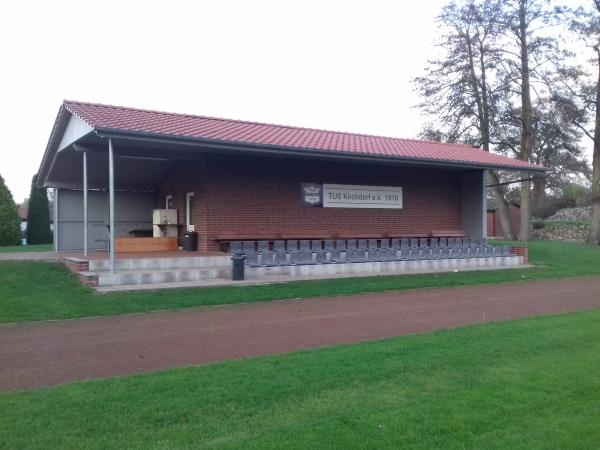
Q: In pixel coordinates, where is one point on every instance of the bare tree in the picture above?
(529, 53)
(587, 25)
(460, 91)
(556, 146)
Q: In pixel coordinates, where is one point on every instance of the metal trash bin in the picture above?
(239, 263)
(189, 241)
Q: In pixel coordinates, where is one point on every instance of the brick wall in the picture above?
(521, 251)
(183, 177)
(514, 213)
(244, 194)
(77, 265)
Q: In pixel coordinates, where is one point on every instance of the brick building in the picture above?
(231, 180)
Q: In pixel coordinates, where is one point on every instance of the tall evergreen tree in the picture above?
(10, 231)
(38, 216)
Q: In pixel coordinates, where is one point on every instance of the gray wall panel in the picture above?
(133, 210)
(472, 203)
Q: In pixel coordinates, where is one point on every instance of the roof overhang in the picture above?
(221, 145)
(69, 130)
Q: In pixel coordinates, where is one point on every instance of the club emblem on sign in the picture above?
(312, 194)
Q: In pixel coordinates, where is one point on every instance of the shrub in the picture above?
(538, 224)
(38, 216)
(10, 224)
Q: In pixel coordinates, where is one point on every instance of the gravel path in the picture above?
(48, 353)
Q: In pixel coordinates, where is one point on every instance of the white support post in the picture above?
(85, 205)
(484, 204)
(111, 203)
(55, 230)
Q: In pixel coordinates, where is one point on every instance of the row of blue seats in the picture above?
(262, 255)
(247, 247)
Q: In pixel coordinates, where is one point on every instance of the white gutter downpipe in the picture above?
(111, 204)
(85, 205)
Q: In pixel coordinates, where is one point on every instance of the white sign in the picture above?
(350, 196)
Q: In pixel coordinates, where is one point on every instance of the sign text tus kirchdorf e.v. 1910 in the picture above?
(353, 196)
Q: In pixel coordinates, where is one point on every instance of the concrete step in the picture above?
(160, 276)
(189, 262)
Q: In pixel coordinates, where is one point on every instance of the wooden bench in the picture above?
(448, 233)
(153, 244)
(272, 236)
(308, 235)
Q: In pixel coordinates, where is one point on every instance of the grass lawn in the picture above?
(38, 291)
(26, 248)
(525, 384)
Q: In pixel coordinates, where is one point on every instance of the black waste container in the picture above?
(239, 262)
(189, 241)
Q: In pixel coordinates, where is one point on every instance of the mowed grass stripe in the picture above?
(32, 291)
(26, 248)
(523, 384)
(40, 291)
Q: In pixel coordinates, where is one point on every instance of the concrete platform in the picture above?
(382, 268)
(156, 276)
(158, 271)
(289, 278)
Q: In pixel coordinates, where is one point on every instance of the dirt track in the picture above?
(44, 354)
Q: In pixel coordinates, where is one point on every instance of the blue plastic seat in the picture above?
(235, 247)
(372, 254)
(249, 246)
(304, 245)
(281, 258)
(252, 259)
(316, 245)
(338, 255)
(302, 257)
(321, 257)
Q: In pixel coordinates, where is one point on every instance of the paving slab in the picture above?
(31, 256)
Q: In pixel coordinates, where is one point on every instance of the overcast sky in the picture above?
(340, 65)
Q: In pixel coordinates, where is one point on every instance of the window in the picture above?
(189, 211)
(169, 202)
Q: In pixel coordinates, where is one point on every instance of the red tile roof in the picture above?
(23, 211)
(122, 119)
